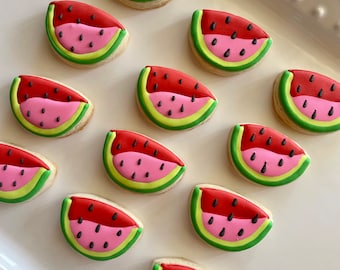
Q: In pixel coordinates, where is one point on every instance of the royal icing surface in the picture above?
(15, 177)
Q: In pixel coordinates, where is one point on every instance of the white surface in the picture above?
(306, 212)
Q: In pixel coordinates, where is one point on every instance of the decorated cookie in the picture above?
(23, 174)
(307, 101)
(266, 156)
(139, 163)
(223, 42)
(227, 220)
(174, 264)
(97, 228)
(144, 4)
(48, 108)
(82, 34)
(172, 99)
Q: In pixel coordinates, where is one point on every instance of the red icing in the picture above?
(168, 80)
(87, 14)
(131, 141)
(33, 86)
(175, 267)
(11, 155)
(302, 85)
(261, 140)
(243, 209)
(101, 213)
(237, 24)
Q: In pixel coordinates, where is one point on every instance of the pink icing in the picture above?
(46, 113)
(234, 45)
(113, 236)
(148, 170)
(84, 38)
(231, 227)
(172, 101)
(321, 106)
(272, 160)
(15, 177)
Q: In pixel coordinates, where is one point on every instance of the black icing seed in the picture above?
(292, 153)
(22, 161)
(90, 209)
(146, 143)
(106, 245)
(80, 220)
(162, 167)
(22, 172)
(262, 131)
(79, 235)
(14, 184)
(197, 86)
(69, 98)
(314, 114)
(72, 49)
(240, 232)
(114, 216)
(253, 156)
(134, 144)
(147, 174)
(4, 167)
(60, 17)
(284, 141)
(69, 9)
(41, 124)
(101, 32)
(298, 89)
(119, 233)
(311, 79)
(46, 95)
(264, 168)
(60, 34)
(0, 185)
(234, 35)
(180, 81)
(133, 175)
(230, 217)
(304, 105)
(226, 53)
(9, 152)
(121, 164)
(30, 84)
(254, 42)
(28, 113)
(193, 98)
(26, 96)
(57, 119)
(139, 161)
(118, 146)
(280, 162)
(182, 108)
(333, 87)
(166, 76)
(215, 202)
(155, 86)
(252, 137)
(222, 232)
(173, 98)
(91, 44)
(81, 37)
(254, 219)
(214, 42)
(56, 90)
(211, 220)
(169, 113)
(43, 110)
(154, 73)
(242, 52)
(331, 111)
(320, 93)
(78, 20)
(227, 20)
(212, 26)
(155, 153)
(159, 104)
(234, 202)
(91, 245)
(93, 16)
(97, 228)
(249, 27)
(269, 141)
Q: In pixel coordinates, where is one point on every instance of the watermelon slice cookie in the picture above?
(48, 108)
(82, 34)
(307, 101)
(23, 174)
(224, 42)
(97, 228)
(144, 4)
(174, 264)
(139, 163)
(266, 156)
(227, 220)
(172, 99)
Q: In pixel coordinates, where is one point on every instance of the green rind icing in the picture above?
(296, 115)
(155, 186)
(27, 191)
(166, 122)
(99, 256)
(156, 266)
(208, 56)
(244, 169)
(53, 132)
(87, 58)
(196, 219)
